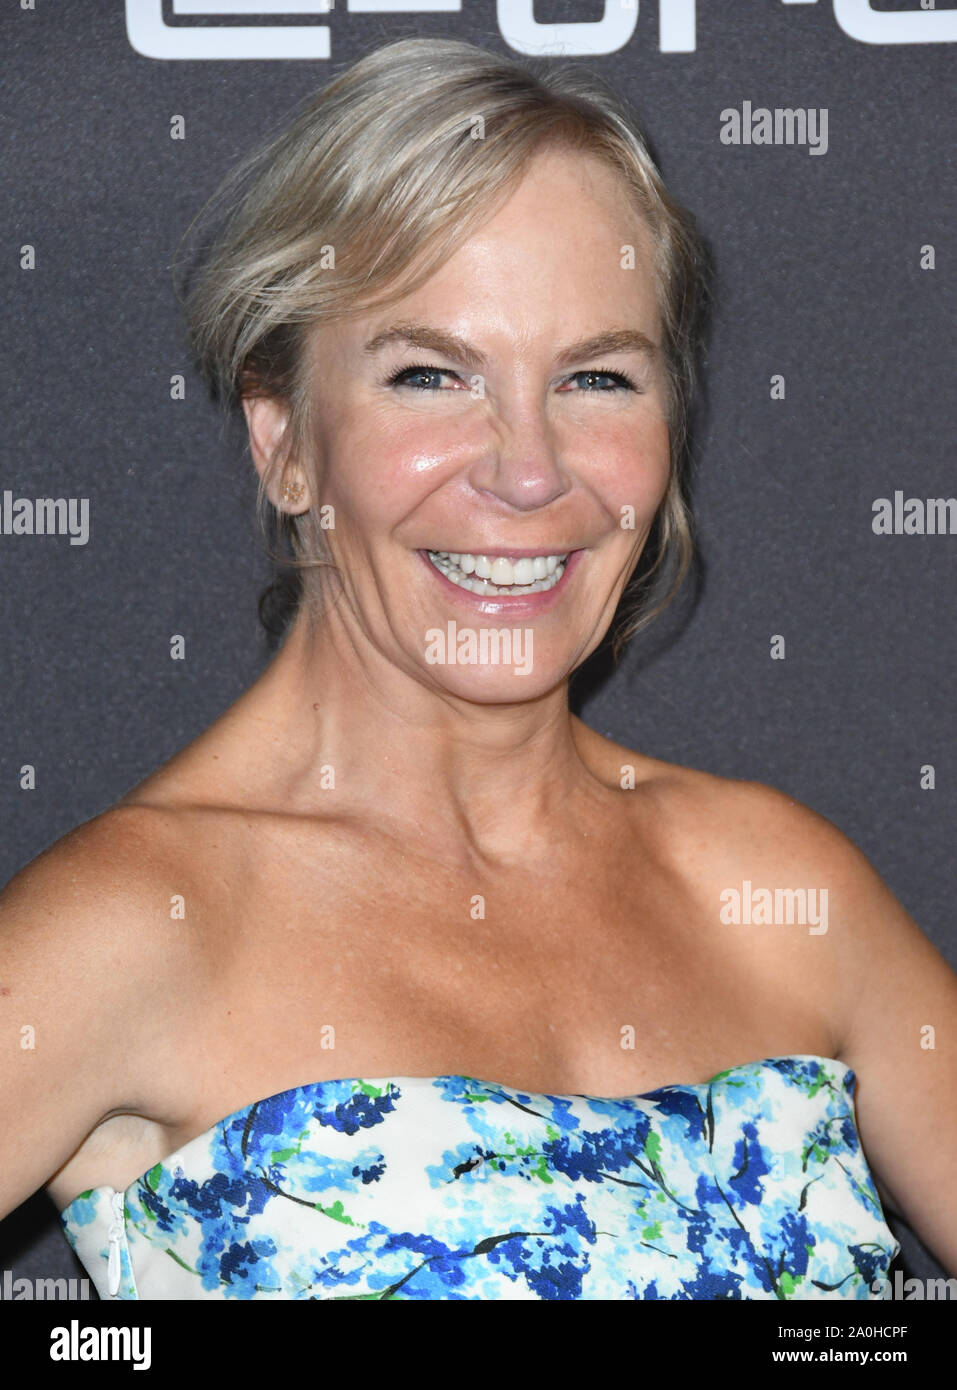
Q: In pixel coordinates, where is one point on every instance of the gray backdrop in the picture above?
(819, 279)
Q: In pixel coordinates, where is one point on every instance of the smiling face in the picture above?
(481, 440)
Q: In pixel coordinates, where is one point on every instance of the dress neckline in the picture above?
(848, 1080)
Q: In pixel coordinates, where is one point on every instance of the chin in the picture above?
(497, 685)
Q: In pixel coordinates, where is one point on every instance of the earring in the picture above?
(292, 493)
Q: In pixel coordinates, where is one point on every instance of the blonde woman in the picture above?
(400, 981)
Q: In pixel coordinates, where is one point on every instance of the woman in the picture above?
(457, 971)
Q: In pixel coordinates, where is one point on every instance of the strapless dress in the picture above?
(752, 1185)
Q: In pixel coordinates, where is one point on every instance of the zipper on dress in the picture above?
(116, 1233)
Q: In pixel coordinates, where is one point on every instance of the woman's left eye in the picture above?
(591, 381)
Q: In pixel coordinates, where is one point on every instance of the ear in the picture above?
(267, 418)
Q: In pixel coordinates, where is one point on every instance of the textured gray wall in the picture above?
(819, 279)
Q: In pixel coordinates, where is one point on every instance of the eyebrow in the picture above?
(449, 345)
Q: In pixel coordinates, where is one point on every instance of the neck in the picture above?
(476, 778)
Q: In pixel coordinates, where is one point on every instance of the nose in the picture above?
(519, 463)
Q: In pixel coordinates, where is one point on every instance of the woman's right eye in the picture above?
(406, 376)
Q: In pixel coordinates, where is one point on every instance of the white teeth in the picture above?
(495, 574)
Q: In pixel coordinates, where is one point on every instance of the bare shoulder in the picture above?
(803, 899)
(98, 880)
(709, 824)
(88, 921)
(749, 831)
(88, 986)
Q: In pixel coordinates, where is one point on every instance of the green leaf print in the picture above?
(338, 1213)
(173, 1256)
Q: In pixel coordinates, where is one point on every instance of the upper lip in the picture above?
(505, 554)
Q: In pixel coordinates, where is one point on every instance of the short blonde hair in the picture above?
(383, 167)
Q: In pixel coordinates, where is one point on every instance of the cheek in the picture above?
(637, 468)
(391, 463)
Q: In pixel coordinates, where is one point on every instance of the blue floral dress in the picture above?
(752, 1185)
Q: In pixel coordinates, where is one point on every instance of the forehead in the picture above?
(582, 186)
(567, 207)
(568, 242)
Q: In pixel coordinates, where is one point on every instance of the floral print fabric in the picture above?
(752, 1185)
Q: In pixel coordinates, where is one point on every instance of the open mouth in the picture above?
(498, 575)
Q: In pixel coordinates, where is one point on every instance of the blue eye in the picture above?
(621, 380)
(400, 377)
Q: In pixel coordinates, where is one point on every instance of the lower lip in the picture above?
(497, 605)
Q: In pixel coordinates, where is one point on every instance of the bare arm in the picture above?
(901, 1040)
(76, 982)
(892, 998)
